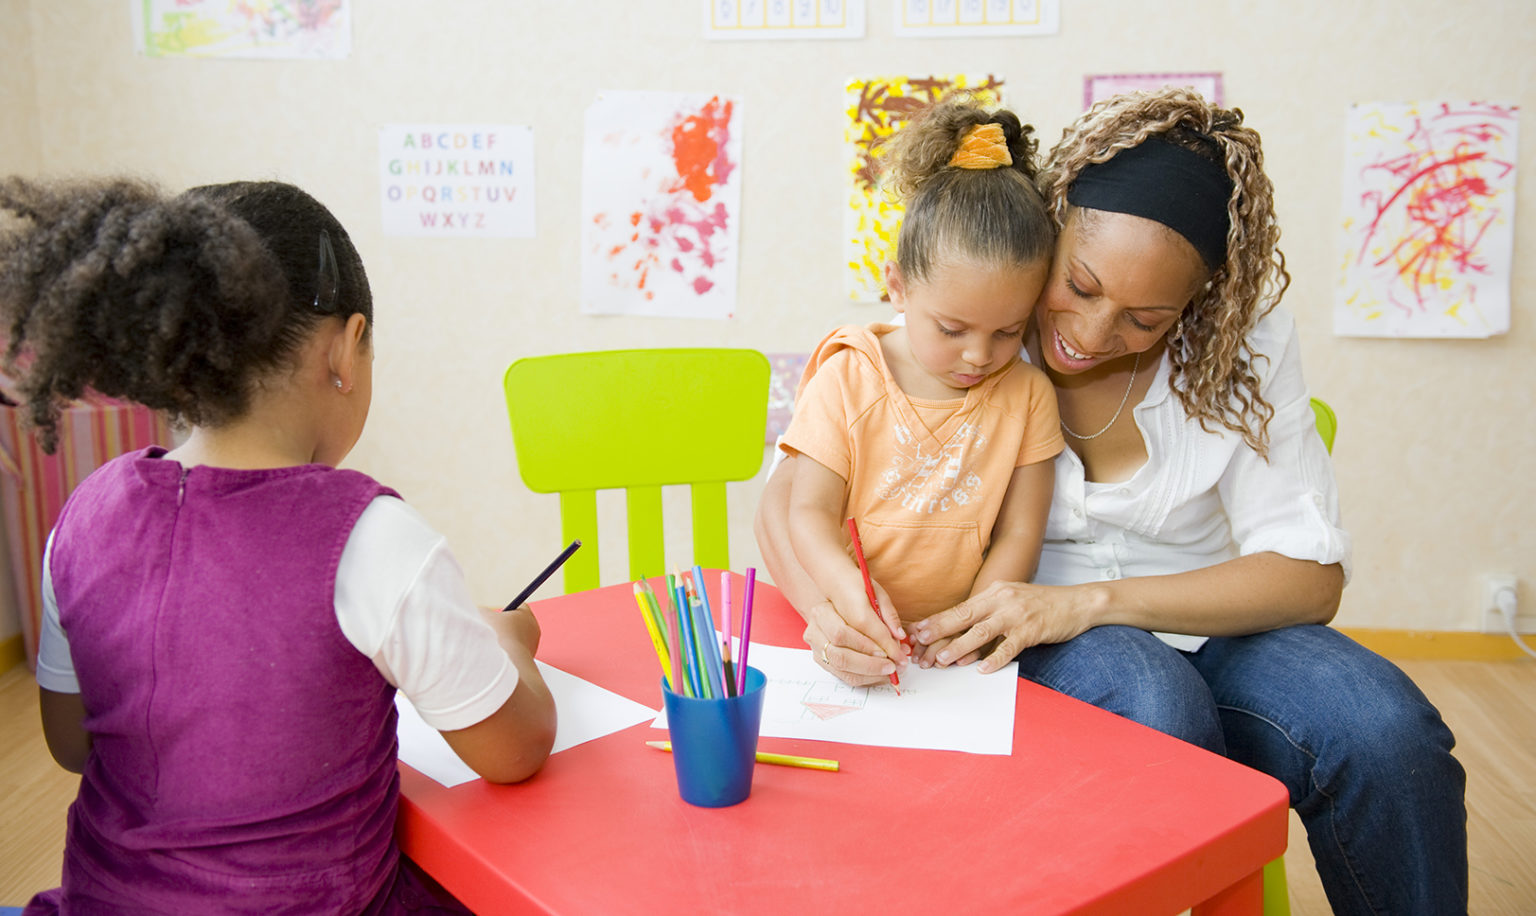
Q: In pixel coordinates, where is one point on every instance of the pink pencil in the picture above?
(729, 673)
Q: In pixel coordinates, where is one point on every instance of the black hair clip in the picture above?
(328, 282)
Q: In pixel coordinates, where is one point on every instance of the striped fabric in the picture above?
(33, 485)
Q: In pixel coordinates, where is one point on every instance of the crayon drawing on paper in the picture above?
(1428, 220)
(661, 205)
(270, 29)
(877, 108)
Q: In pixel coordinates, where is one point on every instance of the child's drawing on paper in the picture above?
(876, 108)
(661, 201)
(1428, 223)
(250, 28)
(829, 699)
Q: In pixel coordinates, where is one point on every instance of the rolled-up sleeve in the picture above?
(1288, 504)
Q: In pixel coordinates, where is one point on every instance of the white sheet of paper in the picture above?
(949, 709)
(587, 711)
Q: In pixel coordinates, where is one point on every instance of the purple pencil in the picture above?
(746, 629)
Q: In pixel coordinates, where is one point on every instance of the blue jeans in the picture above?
(1363, 753)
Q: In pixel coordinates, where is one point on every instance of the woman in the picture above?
(1193, 551)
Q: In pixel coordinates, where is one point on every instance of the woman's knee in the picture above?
(1133, 674)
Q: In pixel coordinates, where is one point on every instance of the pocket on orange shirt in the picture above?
(925, 567)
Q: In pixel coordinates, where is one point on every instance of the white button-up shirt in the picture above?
(1203, 497)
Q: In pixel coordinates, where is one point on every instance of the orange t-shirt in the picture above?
(925, 479)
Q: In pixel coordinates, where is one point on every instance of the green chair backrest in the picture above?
(639, 420)
(1277, 897)
(1327, 423)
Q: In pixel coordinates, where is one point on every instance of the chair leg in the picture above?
(1277, 897)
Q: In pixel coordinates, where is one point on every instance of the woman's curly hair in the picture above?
(995, 216)
(1213, 373)
(182, 304)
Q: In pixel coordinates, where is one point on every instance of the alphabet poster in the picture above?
(1427, 234)
(466, 180)
(661, 205)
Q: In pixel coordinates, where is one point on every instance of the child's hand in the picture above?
(517, 630)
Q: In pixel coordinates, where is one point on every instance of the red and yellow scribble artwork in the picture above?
(661, 197)
(876, 109)
(1428, 225)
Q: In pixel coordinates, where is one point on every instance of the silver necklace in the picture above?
(1126, 397)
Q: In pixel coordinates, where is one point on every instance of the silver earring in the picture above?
(338, 384)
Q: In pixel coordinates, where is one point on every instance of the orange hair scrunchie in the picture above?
(984, 146)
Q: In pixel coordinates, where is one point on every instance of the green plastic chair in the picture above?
(1327, 423)
(1277, 897)
(639, 420)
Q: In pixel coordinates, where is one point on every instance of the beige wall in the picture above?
(1436, 437)
(19, 154)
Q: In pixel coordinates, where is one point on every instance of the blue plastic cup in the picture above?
(714, 743)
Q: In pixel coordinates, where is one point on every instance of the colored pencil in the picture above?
(689, 630)
(783, 760)
(704, 639)
(746, 630)
(869, 585)
(651, 628)
(548, 571)
(716, 662)
(667, 622)
(725, 638)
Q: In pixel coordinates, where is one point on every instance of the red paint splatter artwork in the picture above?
(1428, 227)
(661, 194)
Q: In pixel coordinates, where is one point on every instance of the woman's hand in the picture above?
(1001, 621)
(850, 640)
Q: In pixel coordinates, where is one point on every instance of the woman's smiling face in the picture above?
(1118, 283)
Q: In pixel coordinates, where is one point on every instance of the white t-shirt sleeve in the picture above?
(55, 669)
(401, 599)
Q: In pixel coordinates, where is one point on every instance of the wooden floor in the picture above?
(1491, 706)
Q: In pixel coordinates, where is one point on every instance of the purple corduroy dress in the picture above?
(243, 751)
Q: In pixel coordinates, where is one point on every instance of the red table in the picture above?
(1092, 814)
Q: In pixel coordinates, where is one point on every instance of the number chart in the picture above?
(976, 18)
(783, 19)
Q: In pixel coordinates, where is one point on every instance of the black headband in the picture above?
(1167, 183)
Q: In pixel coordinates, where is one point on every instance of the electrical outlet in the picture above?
(1492, 617)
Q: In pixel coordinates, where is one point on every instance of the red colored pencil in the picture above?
(869, 587)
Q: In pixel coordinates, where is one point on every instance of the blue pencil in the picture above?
(711, 641)
(691, 650)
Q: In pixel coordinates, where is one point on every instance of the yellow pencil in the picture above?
(657, 642)
(783, 760)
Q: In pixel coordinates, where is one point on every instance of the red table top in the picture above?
(1091, 814)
